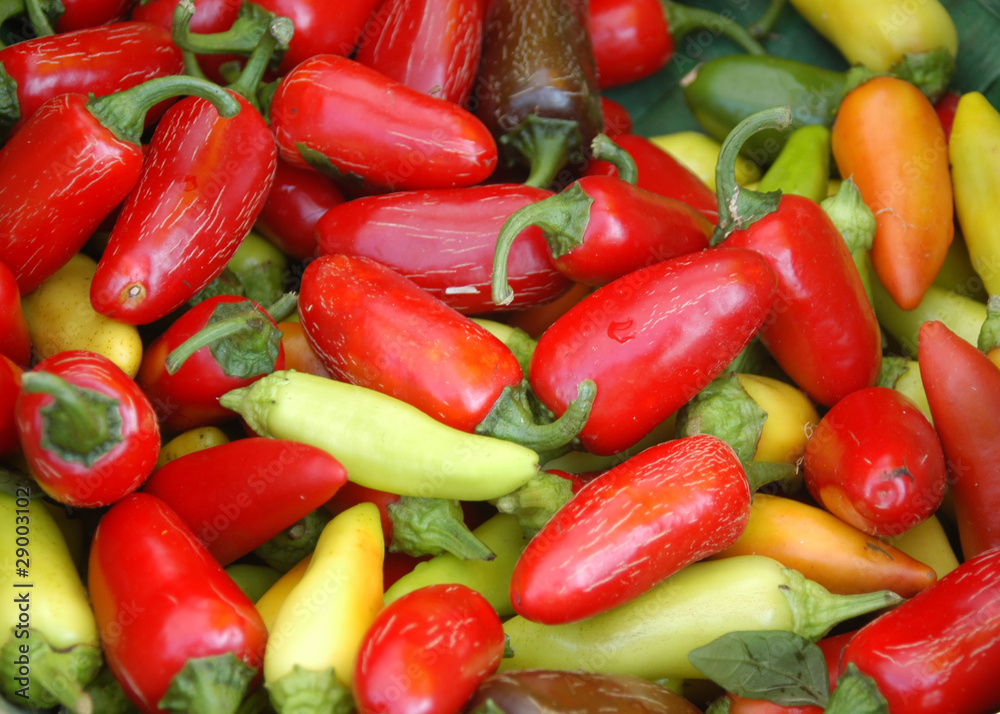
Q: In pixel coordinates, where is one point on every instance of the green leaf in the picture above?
(775, 665)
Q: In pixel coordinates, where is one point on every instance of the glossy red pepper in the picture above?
(373, 327)
(601, 228)
(963, 392)
(945, 108)
(79, 14)
(651, 340)
(15, 341)
(661, 173)
(631, 527)
(96, 141)
(432, 46)
(823, 331)
(237, 496)
(938, 652)
(617, 120)
(203, 184)
(88, 432)
(321, 27)
(10, 387)
(875, 461)
(101, 60)
(161, 600)
(442, 640)
(631, 39)
(210, 15)
(297, 200)
(444, 241)
(186, 392)
(350, 120)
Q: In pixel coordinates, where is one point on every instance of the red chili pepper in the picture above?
(297, 200)
(651, 340)
(631, 39)
(633, 526)
(945, 108)
(228, 342)
(321, 27)
(15, 341)
(823, 331)
(444, 241)
(601, 228)
(661, 173)
(203, 184)
(237, 496)
(432, 46)
(10, 387)
(938, 652)
(963, 392)
(617, 120)
(375, 328)
(210, 15)
(88, 432)
(101, 60)
(342, 117)
(161, 601)
(875, 461)
(447, 637)
(96, 141)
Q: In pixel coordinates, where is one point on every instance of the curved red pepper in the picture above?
(601, 228)
(10, 387)
(101, 60)
(237, 496)
(189, 395)
(444, 241)
(651, 340)
(15, 340)
(160, 600)
(617, 120)
(203, 185)
(79, 14)
(631, 527)
(661, 173)
(432, 46)
(631, 39)
(945, 108)
(210, 15)
(963, 392)
(87, 431)
(321, 27)
(938, 652)
(298, 198)
(340, 116)
(823, 331)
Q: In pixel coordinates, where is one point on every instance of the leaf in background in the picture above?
(978, 23)
(779, 666)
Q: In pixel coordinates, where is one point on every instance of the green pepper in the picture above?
(652, 635)
(802, 166)
(725, 90)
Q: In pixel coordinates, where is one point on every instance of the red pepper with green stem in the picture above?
(94, 140)
(15, 341)
(651, 340)
(220, 344)
(432, 46)
(444, 240)
(963, 392)
(938, 652)
(600, 228)
(203, 184)
(822, 331)
(211, 16)
(168, 614)
(374, 328)
(100, 60)
(87, 431)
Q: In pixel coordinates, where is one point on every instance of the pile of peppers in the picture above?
(361, 357)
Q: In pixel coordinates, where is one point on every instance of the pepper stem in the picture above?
(123, 113)
(431, 526)
(545, 145)
(512, 419)
(241, 38)
(816, 610)
(684, 20)
(604, 148)
(765, 23)
(738, 206)
(9, 9)
(209, 685)
(562, 217)
(279, 32)
(39, 13)
(81, 424)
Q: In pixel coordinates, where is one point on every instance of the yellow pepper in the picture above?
(187, 442)
(700, 153)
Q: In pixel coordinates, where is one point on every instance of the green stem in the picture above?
(279, 32)
(765, 23)
(563, 217)
(684, 20)
(816, 610)
(511, 419)
(536, 502)
(123, 113)
(739, 207)
(209, 685)
(545, 145)
(39, 16)
(242, 38)
(989, 333)
(250, 321)
(431, 526)
(604, 148)
(761, 473)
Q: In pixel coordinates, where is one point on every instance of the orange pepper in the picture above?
(299, 354)
(888, 138)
